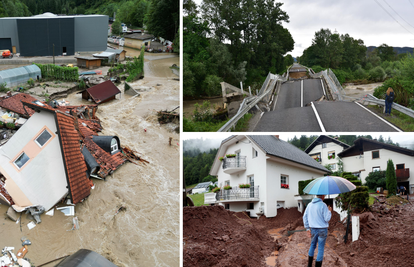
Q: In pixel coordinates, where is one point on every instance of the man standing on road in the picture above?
(316, 221)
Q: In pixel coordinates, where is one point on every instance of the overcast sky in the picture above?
(361, 19)
(404, 139)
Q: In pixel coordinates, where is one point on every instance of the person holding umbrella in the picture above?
(317, 214)
(316, 220)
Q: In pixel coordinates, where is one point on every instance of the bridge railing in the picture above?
(332, 85)
(372, 99)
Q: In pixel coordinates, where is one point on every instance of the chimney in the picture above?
(277, 136)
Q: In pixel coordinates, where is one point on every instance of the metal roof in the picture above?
(202, 185)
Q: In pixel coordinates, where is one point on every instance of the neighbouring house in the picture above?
(53, 156)
(138, 40)
(21, 75)
(270, 166)
(88, 62)
(201, 188)
(120, 53)
(325, 150)
(13, 103)
(368, 155)
(49, 34)
(106, 57)
(101, 93)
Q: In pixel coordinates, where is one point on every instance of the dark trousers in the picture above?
(388, 107)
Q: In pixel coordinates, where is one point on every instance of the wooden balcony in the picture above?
(402, 174)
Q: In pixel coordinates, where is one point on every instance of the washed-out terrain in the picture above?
(147, 232)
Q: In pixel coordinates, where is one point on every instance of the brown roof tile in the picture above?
(14, 104)
(107, 163)
(75, 164)
(5, 194)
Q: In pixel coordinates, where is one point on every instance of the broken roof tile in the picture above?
(5, 194)
(14, 104)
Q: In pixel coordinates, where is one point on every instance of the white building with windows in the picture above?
(367, 156)
(325, 150)
(271, 166)
(201, 188)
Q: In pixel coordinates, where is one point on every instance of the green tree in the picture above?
(386, 53)
(163, 18)
(116, 27)
(391, 178)
(376, 179)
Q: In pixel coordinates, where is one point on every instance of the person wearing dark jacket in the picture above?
(316, 221)
(389, 98)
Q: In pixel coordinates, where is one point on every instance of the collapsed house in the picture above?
(101, 93)
(54, 155)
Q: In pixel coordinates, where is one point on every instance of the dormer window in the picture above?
(114, 145)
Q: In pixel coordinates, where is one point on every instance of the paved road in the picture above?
(335, 116)
(292, 94)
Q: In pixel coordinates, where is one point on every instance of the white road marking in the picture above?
(301, 94)
(318, 118)
(387, 122)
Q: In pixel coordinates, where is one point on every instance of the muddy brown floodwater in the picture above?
(147, 233)
(360, 90)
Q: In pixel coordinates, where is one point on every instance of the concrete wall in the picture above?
(42, 180)
(8, 29)
(91, 33)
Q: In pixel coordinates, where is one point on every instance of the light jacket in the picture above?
(317, 214)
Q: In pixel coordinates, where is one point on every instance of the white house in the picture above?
(201, 187)
(325, 150)
(271, 166)
(367, 155)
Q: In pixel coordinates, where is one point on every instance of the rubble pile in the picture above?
(214, 236)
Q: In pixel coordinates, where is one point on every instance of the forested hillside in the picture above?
(233, 43)
(160, 16)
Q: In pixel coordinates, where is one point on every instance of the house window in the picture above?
(284, 181)
(255, 153)
(400, 166)
(317, 157)
(357, 174)
(227, 206)
(21, 160)
(114, 145)
(376, 169)
(43, 138)
(227, 182)
(250, 206)
(331, 154)
(333, 166)
(375, 154)
(324, 145)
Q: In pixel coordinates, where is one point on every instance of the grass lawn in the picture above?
(198, 199)
(402, 121)
(371, 201)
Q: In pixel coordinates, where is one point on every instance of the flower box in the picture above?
(227, 187)
(284, 186)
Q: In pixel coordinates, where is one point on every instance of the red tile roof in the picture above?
(73, 158)
(103, 91)
(107, 163)
(5, 194)
(14, 104)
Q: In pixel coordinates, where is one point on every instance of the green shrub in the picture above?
(1, 124)
(3, 87)
(215, 190)
(30, 82)
(10, 125)
(377, 74)
(391, 178)
(356, 200)
(356, 182)
(302, 185)
(212, 85)
(51, 71)
(375, 179)
(349, 176)
(81, 84)
(317, 68)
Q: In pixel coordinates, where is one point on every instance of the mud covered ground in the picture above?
(217, 237)
(147, 232)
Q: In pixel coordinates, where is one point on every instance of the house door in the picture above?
(251, 182)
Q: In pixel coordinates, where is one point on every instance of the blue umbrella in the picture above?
(329, 185)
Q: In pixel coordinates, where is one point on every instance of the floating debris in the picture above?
(168, 116)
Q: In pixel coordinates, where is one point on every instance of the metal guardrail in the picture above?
(372, 99)
(238, 194)
(332, 85)
(335, 80)
(247, 105)
(237, 162)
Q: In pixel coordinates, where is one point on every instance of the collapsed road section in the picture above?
(54, 156)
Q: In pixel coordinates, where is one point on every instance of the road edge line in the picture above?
(301, 93)
(387, 122)
(318, 118)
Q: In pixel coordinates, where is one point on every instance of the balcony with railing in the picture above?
(402, 174)
(234, 165)
(238, 195)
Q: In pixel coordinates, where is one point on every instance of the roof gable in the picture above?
(325, 139)
(363, 144)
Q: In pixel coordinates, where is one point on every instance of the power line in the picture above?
(392, 17)
(399, 14)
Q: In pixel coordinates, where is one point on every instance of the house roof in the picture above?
(103, 91)
(202, 185)
(14, 104)
(325, 139)
(107, 163)
(139, 36)
(281, 149)
(104, 54)
(363, 144)
(116, 51)
(88, 58)
(73, 159)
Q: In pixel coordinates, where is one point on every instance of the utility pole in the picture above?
(53, 54)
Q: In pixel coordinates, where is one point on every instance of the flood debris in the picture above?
(68, 210)
(75, 223)
(8, 257)
(165, 116)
